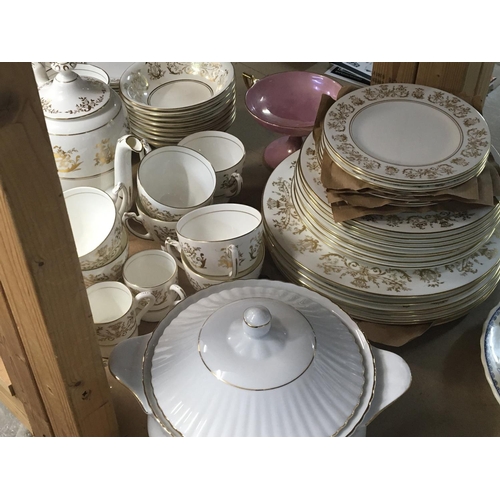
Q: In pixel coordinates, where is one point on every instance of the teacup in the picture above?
(220, 240)
(96, 224)
(109, 272)
(200, 282)
(154, 271)
(226, 153)
(173, 180)
(156, 229)
(116, 312)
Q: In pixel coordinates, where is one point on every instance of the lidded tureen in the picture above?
(85, 118)
(258, 358)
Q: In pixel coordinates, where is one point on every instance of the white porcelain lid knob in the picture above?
(257, 344)
(256, 321)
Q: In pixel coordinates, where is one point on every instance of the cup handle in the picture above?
(238, 182)
(168, 247)
(137, 218)
(120, 187)
(142, 310)
(233, 250)
(146, 149)
(179, 291)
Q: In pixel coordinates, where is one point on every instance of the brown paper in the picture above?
(392, 335)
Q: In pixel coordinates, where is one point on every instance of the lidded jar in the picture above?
(85, 118)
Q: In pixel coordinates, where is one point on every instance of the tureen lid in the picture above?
(70, 96)
(260, 360)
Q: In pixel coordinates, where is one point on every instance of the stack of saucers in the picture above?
(167, 101)
(409, 269)
(405, 141)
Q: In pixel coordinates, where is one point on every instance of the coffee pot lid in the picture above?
(70, 96)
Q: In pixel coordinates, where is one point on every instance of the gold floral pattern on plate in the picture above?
(475, 141)
(340, 270)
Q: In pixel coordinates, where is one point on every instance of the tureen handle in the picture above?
(393, 380)
(125, 364)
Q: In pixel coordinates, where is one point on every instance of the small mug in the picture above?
(156, 272)
(116, 312)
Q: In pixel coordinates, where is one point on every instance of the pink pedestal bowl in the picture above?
(287, 103)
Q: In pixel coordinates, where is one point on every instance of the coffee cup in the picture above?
(219, 240)
(173, 180)
(226, 153)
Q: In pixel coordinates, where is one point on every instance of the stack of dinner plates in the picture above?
(167, 101)
(406, 269)
(406, 141)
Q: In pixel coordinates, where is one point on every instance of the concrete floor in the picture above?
(11, 427)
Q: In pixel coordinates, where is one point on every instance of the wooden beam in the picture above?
(23, 399)
(40, 272)
(10, 400)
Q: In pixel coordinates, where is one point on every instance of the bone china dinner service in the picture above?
(245, 356)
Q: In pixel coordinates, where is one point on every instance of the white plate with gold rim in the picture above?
(416, 244)
(442, 311)
(413, 223)
(407, 132)
(295, 238)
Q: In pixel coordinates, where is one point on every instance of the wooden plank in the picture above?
(40, 272)
(28, 404)
(5, 379)
(467, 80)
(394, 72)
(9, 400)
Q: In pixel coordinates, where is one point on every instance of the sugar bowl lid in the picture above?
(260, 359)
(70, 96)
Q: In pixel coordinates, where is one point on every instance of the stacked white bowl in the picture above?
(167, 101)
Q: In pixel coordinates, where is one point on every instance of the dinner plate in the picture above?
(490, 350)
(407, 133)
(297, 240)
